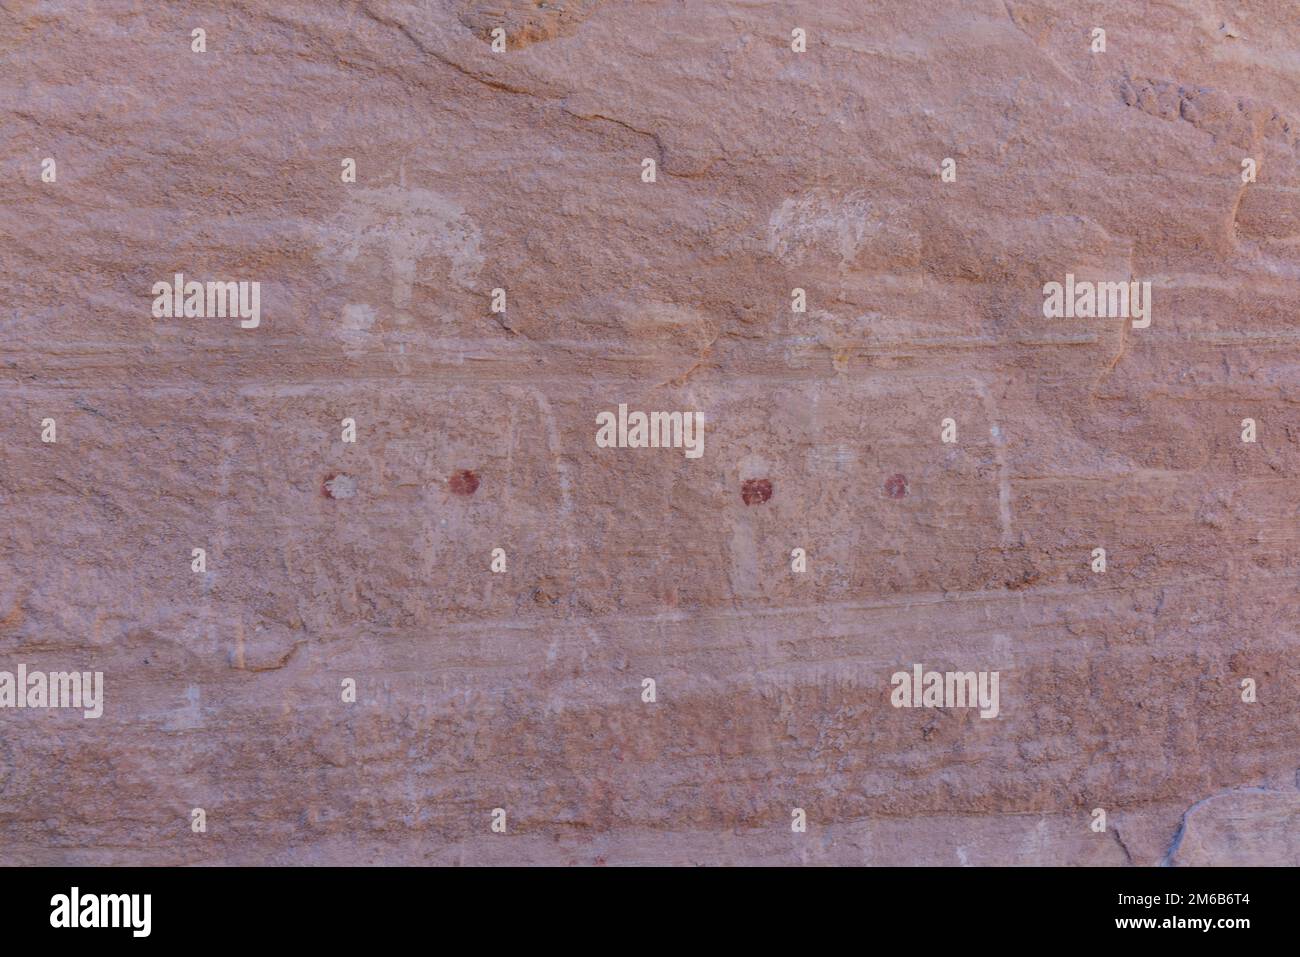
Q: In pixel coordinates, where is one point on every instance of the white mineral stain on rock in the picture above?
(820, 222)
(423, 236)
(341, 486)
(358, 317)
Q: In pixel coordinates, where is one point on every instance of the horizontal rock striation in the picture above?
(520, 166)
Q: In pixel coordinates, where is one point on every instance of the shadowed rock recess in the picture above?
(325, 562)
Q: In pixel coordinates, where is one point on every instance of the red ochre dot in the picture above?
(463, 482)
(896, 486)
(755, 491)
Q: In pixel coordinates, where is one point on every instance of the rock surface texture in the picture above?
(774, 170)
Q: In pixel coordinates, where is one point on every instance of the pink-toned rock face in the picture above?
(354, 646)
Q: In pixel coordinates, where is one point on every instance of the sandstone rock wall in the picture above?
(775, 170)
